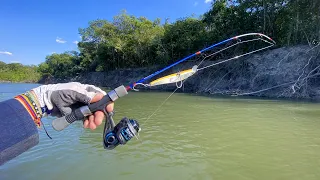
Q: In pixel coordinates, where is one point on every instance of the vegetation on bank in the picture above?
(129, 41)
(16, 72)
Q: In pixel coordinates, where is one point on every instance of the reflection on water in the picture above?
(190, 137)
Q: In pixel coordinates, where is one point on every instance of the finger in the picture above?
(75, 91)
(83, 93)
(86, 123)
(91, 123)
(110, 107)
(97, 98)
(92, 88)
(98, 117)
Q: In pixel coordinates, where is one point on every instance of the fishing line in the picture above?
(236, 57)
(177, 87)
(161, 105)
(287, 83)
(239, 41)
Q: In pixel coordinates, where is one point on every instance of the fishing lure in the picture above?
(126, 129)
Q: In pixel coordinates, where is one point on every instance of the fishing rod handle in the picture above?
(80, 113)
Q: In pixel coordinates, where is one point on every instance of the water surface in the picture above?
(190, 137)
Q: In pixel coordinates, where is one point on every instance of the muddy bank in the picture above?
(288, 72)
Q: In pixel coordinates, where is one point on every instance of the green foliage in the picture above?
(61, 65)
(184, 37)
(128, 41)
(16, 72)
(288, 22)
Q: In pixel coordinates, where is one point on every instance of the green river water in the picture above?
(190, 137)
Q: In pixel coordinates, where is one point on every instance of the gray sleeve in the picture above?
(18, 133)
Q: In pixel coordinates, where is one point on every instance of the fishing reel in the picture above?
(121, 133)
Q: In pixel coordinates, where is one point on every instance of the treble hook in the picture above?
(181, 83)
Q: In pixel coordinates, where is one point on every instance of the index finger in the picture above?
(98, 97)
(92, 88)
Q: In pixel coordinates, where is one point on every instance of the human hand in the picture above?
(61, 99)
(96, 119)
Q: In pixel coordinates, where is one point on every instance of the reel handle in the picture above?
(84, 111)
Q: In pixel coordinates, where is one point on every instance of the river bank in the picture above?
(287, 72)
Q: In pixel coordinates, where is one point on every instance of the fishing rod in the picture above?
(126, 129)
(195, 54)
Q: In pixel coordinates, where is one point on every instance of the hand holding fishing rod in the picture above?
(74, 101)
(82, 112)
(113, 134)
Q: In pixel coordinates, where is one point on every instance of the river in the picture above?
(190, 137)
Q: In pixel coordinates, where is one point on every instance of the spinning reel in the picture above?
(119, 134)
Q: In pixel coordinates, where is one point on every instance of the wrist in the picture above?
(31, 103)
